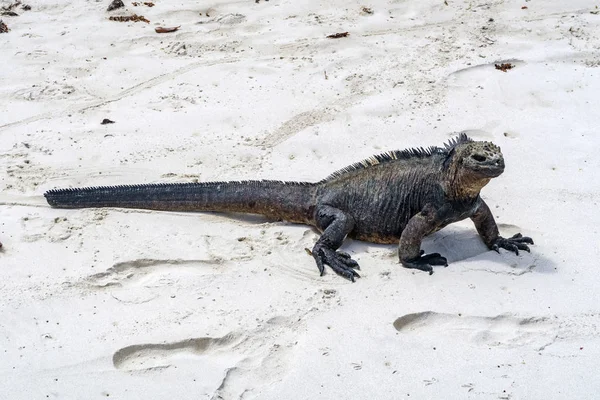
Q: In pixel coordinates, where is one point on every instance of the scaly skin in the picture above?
(400, 196)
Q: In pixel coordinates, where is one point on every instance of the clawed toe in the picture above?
(435, 259)
(522, 246)
(341, 263)
(514, 244)
(425, 262)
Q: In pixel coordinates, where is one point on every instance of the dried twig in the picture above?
(160, 29)
(134, 18)
(338, 35)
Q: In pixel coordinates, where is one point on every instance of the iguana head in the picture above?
(480, 158)
(470, 165)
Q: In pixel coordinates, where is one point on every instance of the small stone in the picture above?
(115, 4)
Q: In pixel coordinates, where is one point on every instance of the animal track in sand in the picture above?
(503, 330)
(157, 356)
(151, 272)
(177, 48)
(230, 19)
(53, 230)
(22, 173)
(44, 92)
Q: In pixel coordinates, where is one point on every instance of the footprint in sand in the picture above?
(143, 280)
(52, 91)
(151, 272)
(213, 352)
(502, 330)
(232, 366)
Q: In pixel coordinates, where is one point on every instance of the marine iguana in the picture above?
(400, 195)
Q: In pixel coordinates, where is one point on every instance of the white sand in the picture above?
(152, 305)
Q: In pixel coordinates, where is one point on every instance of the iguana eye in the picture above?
(478, 157)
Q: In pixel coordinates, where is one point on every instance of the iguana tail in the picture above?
(292, 201)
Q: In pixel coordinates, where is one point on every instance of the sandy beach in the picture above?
(136, 304)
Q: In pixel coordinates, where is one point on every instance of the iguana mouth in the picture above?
(486, 165)
(492, 170)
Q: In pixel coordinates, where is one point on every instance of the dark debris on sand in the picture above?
(338, 35)
(115, 4)
(504, 67)
(133, 18)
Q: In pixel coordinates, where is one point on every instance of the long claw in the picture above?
(425, 262)
(434, 259)
(350, 263)
(431, 255)
(517, 237)
(522, 246)
(515, 243)
(318, 256)
(340, 262)
(525, 239)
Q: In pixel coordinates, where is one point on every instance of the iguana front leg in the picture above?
(409, 248)
(336, 225)
(488, 230)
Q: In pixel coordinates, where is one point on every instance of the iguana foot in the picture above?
(515, 243)
(340, 262)
(425, 262)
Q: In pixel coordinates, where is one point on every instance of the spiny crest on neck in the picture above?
(462, 138)
(406, 154)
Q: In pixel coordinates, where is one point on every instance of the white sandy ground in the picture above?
(152, 305)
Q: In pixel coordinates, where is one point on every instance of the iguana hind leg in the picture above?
(409, 248)
(336, 225)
